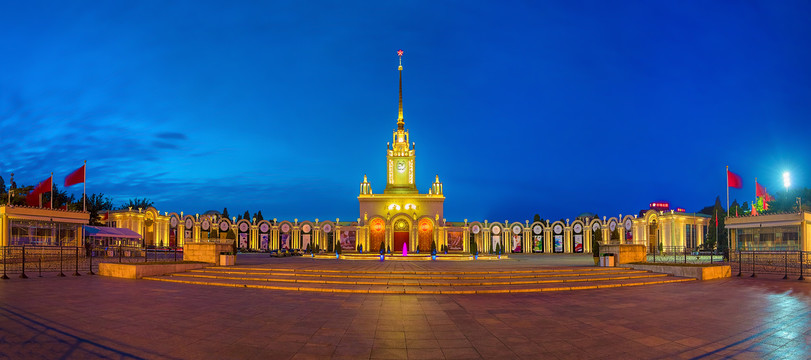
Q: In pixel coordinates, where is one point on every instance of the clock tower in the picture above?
(399, 153)
(400, 219)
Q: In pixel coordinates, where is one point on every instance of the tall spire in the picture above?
(400, 123)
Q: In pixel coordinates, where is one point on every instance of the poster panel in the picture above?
(305, 241)
(263, 241)
(454, 240)
(578, 243)
(537, 243)
(496, 241)
(558, 243)
(173, 238)
(516, 244)
(187, 236)
(284, 241)
(243, 240)
(348, 240)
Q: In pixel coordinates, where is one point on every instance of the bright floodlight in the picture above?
(786, 179)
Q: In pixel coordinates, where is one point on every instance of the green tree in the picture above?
(225, 213)
(3, 186)
(136, 203)
(96, 204)
(247, 215)
(259, 216)
(596, 238)
(717, 213)
(473, 247)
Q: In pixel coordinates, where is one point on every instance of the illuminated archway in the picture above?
(401, 236)
(425, 235)
(377, 229)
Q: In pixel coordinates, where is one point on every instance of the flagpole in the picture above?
(727, 190)
(84, 190)
(52, 190)
(728, 241)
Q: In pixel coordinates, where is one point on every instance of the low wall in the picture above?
(137, 271)
(208, 252)
(696, 272)
(625, 253)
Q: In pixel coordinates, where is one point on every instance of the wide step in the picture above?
(420, 281)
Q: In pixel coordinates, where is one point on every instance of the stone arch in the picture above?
(496, 236)
(476, 236)
(285, 235)
(265, 230)
(652, 230)
(243, 232)
(558, 236)
(401, 232)
(306, 236)
(515, 242)
(578, 236)
(627, 225)
(614, 228)
(537, 232)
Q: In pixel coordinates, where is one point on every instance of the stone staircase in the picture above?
(418, 281)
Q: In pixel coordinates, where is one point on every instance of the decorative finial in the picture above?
(400, 124)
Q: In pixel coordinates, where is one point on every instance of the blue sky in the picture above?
(555, 108)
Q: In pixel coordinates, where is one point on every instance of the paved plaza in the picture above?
(99, 317)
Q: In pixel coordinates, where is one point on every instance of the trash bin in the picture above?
(607, 260)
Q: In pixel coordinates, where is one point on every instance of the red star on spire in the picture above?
(400, 52)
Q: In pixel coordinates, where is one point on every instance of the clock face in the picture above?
(558, 229)
(263, 228)
(516, 230)
(189, 224)
(401, 165)
(205, 225)
(243, 227)
(595, 227)
(285, 228)
(577, 228)
(475, 229)
(224, 226)
(537, 229)
(173, 222)
(306, 228)
(327, 228)
(496, 230)
(612, 226)
(628, 224)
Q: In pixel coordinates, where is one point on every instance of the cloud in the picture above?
(171, 136)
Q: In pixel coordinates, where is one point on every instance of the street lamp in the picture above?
(786, 180)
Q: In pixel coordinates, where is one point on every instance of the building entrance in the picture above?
(400, 241)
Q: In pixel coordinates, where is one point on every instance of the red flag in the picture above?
(760, 191)
(32, 199)
(734, 180)
(42, 187)
(76, 177)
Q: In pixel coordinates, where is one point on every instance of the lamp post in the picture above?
(786, 180)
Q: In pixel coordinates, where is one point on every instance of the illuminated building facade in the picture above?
(402, 218)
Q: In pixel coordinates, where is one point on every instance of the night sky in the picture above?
(520, 107)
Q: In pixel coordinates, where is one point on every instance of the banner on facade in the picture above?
(243, 240)
(537, 243)
(348, 240)
(578, 243)
(305, 240)
(284, 241)
(455, 240)
(516, 244)
(558, 246)
(263, 241)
